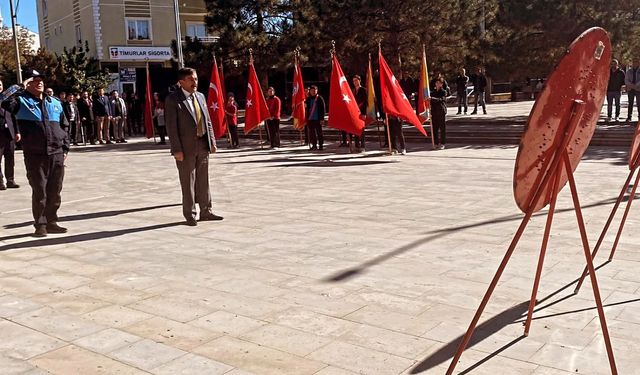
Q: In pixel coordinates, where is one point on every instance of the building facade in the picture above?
(122, 34)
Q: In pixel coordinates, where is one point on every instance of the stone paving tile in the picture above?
(22, 342)
(116, 316)
(57, 324)
(360, 360)
(169, 332)
(227, 323)
(179, 309)
(286, 339)
(386, 341)
(192, 364)
(312, 322)
(256, 358)
(11, 305)
(146, 354)
(75, 360)
(69, 302)
(14, 366)
(107, 341)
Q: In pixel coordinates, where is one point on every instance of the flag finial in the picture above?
(251, 56)
(333, 48)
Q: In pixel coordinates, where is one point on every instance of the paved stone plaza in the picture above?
(325, 264)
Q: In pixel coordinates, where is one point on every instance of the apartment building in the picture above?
(122, 34)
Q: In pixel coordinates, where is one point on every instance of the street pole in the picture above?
(15, 41)
(176, 9)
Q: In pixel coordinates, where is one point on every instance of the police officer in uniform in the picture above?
(45, 144)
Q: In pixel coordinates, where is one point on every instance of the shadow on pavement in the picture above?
(66, 239)
(92, 215)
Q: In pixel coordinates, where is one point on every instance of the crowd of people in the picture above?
(630, 80)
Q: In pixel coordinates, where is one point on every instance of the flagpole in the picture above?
(224, 99)
(386, 120)
(426, 77)
(153, 128)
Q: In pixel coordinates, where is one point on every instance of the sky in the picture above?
(27, 14)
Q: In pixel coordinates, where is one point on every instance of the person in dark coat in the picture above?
(479, 81)
(315, 110)
(8, 138)
(42, 126)
(461, 90)
(72, 112)
(438, 114)
(397, 135)
(85, 110)
(191, 137)
(614, 89)
(360, 94)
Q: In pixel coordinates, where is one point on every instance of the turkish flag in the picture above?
(215, 102)
(298, 98)
(394, 101)
(256, 110)
(344, 113)
(148, 108)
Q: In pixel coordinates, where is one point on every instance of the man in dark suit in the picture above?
(71, 111)
(8, 138)
(192, 140)
(102, 114)
(85, 112)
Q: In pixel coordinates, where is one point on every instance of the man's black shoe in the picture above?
(474, 112)
(191, 222)
(41, 231)
(3, 186)
(210, 217)
(53, 227)
(12, 185)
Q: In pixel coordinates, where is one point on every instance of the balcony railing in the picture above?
(204, 39)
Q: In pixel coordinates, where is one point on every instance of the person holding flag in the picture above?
(360, 94)
(345, 114)
(439, 113)
(273, 122)
(315, 109)
(231, 110)
(394, 101)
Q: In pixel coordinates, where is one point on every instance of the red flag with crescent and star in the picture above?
(344, 113)
(256, 110)
(215, 102)
(394, 100)
(298, 98)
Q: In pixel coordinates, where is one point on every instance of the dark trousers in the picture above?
(233, 132)
(193, 172)
(273, 129)
(439, 128)
(613, 97)
(358, 140)
(315, 133)
(479, 96)
(7, 151)
(162, 133)
(462, 102)
(89, 130)
(343, 137)
(633, 95)
(397, 135)
(45, 174)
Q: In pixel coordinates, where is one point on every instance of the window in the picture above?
(78, 34)
(196, 30)
(47, 44)
(45, 12)
(138, 29)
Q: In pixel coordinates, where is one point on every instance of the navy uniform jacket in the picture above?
(41, 123)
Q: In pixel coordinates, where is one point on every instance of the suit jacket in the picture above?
(123, 106)
(181, 126)
(66, 106)
(101, 106)
(7, 125)
(85, 109)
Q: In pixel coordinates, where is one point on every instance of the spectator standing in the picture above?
(360, 94)
(273, 122)
(72, 112)
(102, 115)
(632, 81)
(438, 114)
(231, 111)
(315, 110)
(85, 110)
(479, 81)
(461, 90)
(397, 135)
(8, 136)
(158, 116)
(614, 89)
(119, 116)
